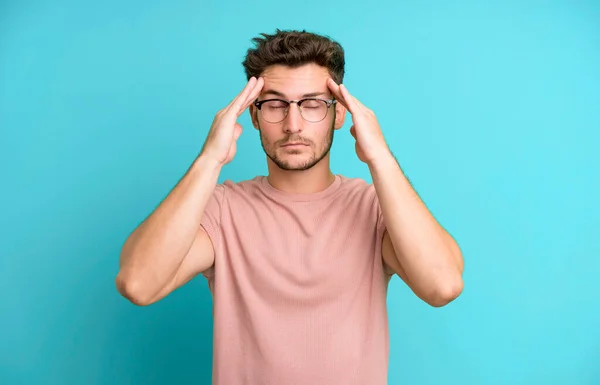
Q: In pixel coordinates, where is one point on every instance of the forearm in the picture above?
(428, 255)
(154, 251)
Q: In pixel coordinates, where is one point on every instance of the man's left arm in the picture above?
(422, 253)
(415, 245)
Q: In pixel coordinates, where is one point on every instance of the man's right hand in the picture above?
(220, 144)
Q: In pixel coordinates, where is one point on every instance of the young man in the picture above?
(298, 262)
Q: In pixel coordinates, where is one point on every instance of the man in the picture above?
(298, 262)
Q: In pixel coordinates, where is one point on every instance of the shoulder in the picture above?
(357, 187)
(248, 187)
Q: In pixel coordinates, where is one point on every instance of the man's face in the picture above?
(315, 139)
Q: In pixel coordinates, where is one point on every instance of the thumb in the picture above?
(353, 131)
(237, 131)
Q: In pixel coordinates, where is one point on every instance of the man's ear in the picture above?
(254, 115)
(340, 115)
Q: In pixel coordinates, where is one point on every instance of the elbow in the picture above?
(132, 290)
(446, 293)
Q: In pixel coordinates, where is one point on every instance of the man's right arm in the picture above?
(170, 247)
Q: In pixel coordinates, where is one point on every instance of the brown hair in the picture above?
(295, 48)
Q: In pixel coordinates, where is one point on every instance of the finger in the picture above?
(352, 102)
(353, 132)
(241, 97)
(335, 90)
(237, 131)
(253, 95)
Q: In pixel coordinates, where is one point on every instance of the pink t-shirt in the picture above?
(298, 285)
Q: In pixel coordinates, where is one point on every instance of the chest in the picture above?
(303, 254)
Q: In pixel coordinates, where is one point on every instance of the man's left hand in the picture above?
(370, 143)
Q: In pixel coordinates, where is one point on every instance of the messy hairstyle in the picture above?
(293, 49)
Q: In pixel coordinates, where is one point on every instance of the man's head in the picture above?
(295, 65)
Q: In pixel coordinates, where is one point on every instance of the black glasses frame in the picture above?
(329, 102)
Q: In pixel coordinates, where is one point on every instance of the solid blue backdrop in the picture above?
(492, 110)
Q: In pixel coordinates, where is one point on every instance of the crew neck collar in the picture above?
(288, 196)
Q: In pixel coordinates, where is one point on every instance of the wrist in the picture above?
(383, 161)
(206, 163)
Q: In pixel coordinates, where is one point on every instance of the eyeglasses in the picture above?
(312, 110)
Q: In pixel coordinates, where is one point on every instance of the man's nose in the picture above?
(293, 120)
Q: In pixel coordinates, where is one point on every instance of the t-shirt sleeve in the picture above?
(380, 221)
(211, 221)
(381, 228)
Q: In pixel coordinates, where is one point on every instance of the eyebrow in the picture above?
(282, 95)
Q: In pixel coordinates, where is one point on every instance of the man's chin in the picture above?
(294, 166)
(287, 164)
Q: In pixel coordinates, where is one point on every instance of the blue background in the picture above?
(493, 111)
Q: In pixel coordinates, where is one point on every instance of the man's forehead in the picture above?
(295, 82)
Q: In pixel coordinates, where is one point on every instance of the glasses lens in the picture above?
(314, 110)
(274, 111)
